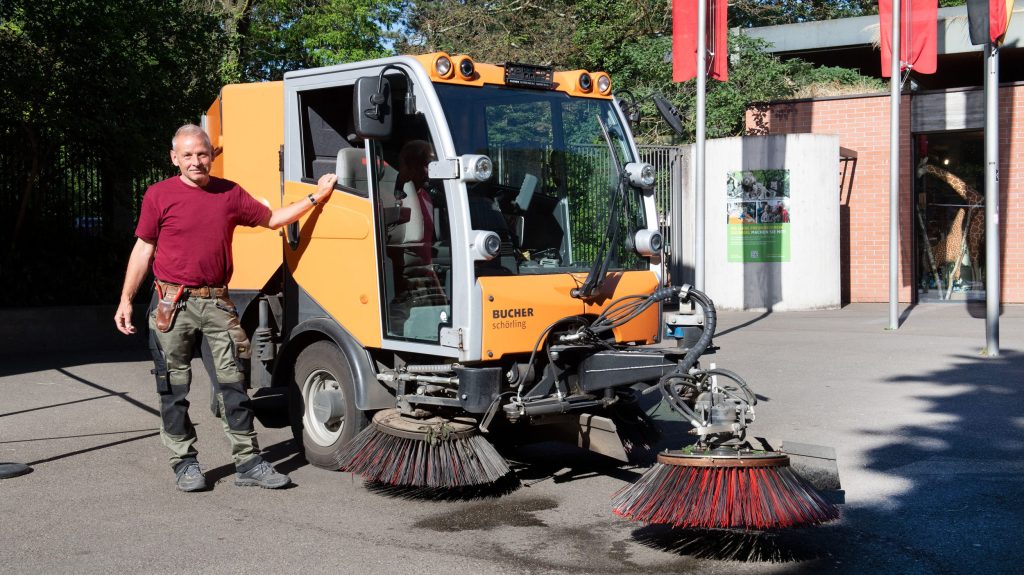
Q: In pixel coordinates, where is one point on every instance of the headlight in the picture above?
(641, 174)
(604, 84)
(443, 66)
(466, 68)
(475, 168)
(648, 242)
(484, 245)
(586, 82)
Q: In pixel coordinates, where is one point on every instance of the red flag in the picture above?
(918, 35)
(988, 20)
(684, 40)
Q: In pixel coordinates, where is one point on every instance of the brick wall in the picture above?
(1011, 191)
(862, 124)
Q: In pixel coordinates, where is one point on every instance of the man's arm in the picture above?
(138, 267)
(285, 215)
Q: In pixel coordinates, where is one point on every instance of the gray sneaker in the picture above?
(262, 475)
(190, 477)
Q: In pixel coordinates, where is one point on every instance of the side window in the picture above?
(328, 136)
(417, 273)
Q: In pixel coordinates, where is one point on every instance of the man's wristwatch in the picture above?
(312, 200)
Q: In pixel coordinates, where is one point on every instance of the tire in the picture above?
(323, 411)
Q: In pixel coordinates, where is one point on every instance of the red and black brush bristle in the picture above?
(717, 492)
(430, 454)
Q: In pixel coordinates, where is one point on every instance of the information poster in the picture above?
(759, 216)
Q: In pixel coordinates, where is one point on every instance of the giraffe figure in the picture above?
(967, 230)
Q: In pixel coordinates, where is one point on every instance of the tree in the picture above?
(631, 40)
(751, 13)
(90, 92)
(492, 31)
(94, 89)
(276, 36)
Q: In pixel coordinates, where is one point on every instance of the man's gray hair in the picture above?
(191, 130)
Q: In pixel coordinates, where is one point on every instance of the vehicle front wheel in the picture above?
(323, 410)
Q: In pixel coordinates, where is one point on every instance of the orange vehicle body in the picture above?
(246, 127)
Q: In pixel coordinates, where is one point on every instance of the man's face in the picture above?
(193, 157)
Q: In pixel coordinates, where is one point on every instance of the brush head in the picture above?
(745, 490)
(433, 452)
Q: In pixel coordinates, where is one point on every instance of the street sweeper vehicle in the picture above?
(487, 271)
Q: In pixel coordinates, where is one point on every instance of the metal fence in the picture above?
(58, 244)
(670, 162)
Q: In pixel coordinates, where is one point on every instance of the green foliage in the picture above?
(754, 75)
(750, 13)
(631, 40)
(114, 75)
(98, 84)
(281, 35)
(491, 31)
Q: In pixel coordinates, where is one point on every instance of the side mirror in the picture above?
(669, 113)
(372, 108)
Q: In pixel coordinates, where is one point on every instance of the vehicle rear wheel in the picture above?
(323, 410)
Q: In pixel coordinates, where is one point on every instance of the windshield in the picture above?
(554, 183)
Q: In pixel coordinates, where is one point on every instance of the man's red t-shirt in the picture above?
(192, 228)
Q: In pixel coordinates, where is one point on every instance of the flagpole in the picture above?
(992, 263)
(894, 167)
(702, 70)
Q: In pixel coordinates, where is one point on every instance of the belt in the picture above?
(195, 291)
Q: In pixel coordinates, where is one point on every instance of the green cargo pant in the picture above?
(216, 319)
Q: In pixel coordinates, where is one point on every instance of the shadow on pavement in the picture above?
(962, 473)
(95, 448)
(42, 361)
(720, 333)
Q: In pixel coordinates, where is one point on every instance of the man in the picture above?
(184, 231)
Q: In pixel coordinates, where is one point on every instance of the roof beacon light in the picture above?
(604, 84)
(586, 83)
(443, 66)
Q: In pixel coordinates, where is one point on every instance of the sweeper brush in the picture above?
(431, 452)
(721, 481)
(748, 491)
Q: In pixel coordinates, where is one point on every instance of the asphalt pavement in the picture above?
(928, 432)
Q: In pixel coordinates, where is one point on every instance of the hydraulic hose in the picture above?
(668, 391)
(688, 292)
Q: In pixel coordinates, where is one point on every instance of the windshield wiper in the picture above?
(605, 251)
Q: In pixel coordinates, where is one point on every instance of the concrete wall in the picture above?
(810, 279)
(862, 124)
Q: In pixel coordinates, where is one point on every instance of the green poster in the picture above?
(758, 215)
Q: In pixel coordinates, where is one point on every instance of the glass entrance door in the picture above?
(949, 216)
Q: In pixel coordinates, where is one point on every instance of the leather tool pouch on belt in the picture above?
(243, 349)
(167, 307)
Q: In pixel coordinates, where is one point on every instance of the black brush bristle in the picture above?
(429, 462)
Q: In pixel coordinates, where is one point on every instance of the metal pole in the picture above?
(698, 184)
(679, 171)
(894, 169)
(992, 263)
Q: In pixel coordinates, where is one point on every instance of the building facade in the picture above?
(942, 164)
